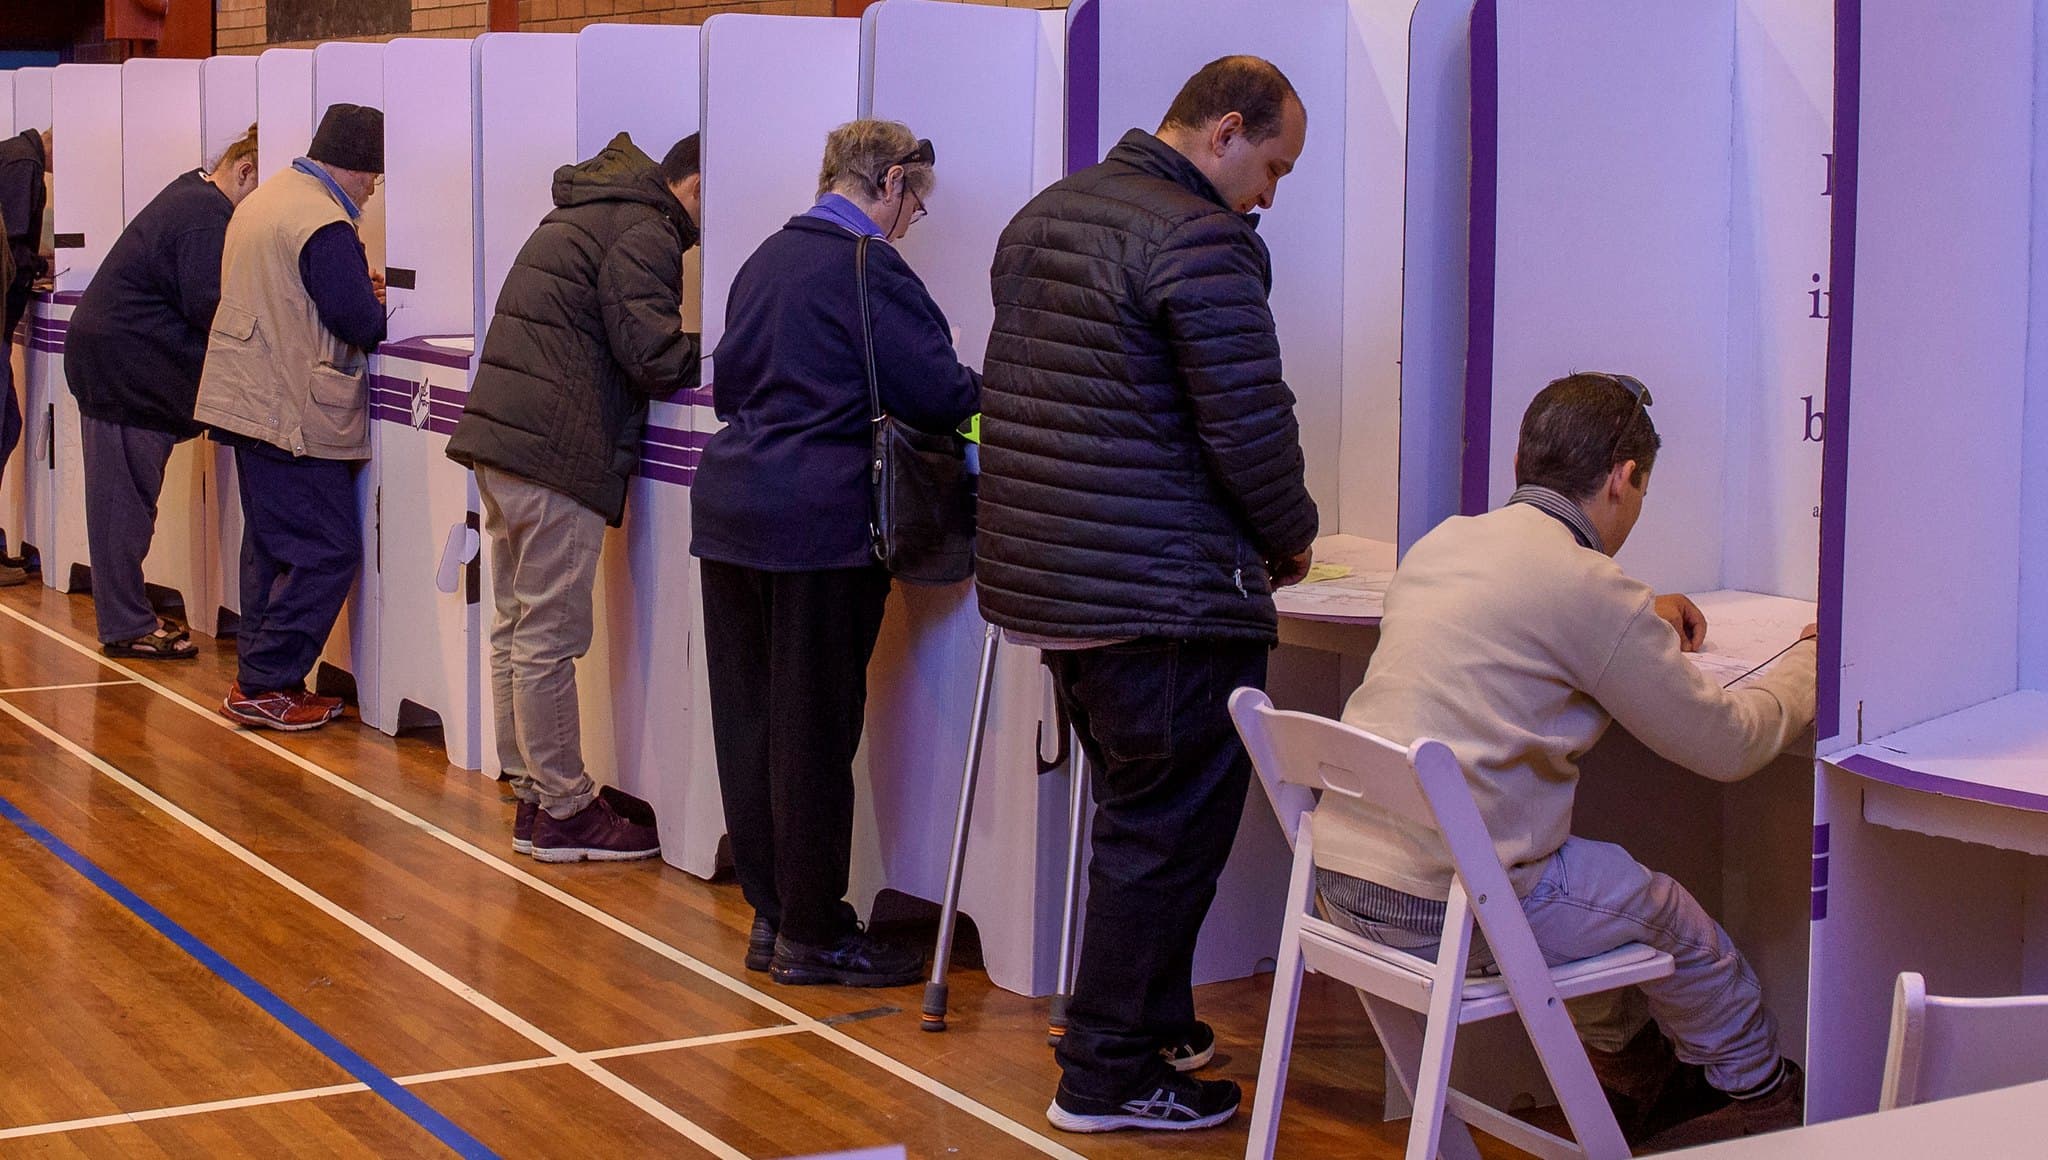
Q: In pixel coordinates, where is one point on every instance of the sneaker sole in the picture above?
(1193, 1062)
(522, 845)
(578, 854)
(266, 723)
(812, 977)
(1067, 1121)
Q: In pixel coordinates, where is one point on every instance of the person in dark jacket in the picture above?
(133, 357)
(588, 329)
(792, 592)
(24, 159)
(1142, 495)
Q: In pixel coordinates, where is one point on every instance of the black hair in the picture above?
(1578, 429)
(1249, 86)
(681, 162)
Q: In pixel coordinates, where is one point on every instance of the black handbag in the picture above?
(921, 514)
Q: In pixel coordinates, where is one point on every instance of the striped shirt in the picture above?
(1564, 510)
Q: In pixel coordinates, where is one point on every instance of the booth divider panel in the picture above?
(86, 199)
(7, 124)
(639, 79)
(1149, 48)
(228, 106)
(428, 191)
(161, 127)
(284, 106)
(34, 97)
(2033, 644)
(1930, 586)
(1611, 246)
(23, 503)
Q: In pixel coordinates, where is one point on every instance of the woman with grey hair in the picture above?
(792, 593)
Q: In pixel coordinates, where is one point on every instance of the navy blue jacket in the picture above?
(783, 487)
(138, 337)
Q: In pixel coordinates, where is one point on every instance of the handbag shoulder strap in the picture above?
(867, 327)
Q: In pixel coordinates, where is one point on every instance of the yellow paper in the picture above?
(1318, 573)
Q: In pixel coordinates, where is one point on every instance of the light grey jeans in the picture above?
(544, 550)
(1593, 897)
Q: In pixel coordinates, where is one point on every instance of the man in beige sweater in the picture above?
(1515, 639)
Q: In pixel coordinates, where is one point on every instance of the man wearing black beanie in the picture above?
(300, 311)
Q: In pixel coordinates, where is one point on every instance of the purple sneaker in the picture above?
(522, 827)
(595, 833)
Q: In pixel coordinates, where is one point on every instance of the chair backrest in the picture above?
(1955, 1047)
(1421, 784)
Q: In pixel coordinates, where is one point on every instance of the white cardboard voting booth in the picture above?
(353, 73)
(984, 85)
(1933, 797)
(162, 138)
(228, 104)
(1597, 185)
(426, 537)
(526, 127)
(635, 686)
(773, 87)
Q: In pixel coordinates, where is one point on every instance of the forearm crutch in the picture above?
(1070, 929)
(933, 1017)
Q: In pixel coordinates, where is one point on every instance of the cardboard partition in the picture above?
(227, 93)
(284, 105)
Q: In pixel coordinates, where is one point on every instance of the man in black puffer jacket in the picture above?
(588, 329)
(1142, 495)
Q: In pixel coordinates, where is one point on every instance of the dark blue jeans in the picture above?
(1169, 776)
(302, 545)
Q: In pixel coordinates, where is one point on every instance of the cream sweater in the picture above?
(1516, 647)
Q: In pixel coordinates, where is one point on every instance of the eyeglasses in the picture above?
(1634, 386)
(917, 215)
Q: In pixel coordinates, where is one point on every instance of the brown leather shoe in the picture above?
(1649, 1088)
(280, 709)
(1783, 1107)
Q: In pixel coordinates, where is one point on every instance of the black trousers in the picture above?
(1170, 778)
(302, 545)
(787, 656)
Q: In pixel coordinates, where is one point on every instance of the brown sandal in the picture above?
(170, 642)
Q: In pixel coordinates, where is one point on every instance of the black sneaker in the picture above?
(523, 821)
(858, 959)
(634, 810)
(592, 834)
(761, 945)
(1177, 1103)
(1194, 1050)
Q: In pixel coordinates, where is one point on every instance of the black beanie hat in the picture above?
(350, 137)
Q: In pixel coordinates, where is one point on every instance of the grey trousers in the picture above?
(544, 550)
(124, 475)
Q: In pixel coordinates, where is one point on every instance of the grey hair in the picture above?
(860, 152)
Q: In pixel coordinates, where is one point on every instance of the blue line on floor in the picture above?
(366, 1073)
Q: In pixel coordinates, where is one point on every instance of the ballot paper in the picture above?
(1348, 582)
(1745, 630)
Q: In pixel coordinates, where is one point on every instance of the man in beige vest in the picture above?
(1514, 638)
(300, 310)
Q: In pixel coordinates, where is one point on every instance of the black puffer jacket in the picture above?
(588, 329)
(1140, 458)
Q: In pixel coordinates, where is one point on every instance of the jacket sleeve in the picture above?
(336, 273)
(1207, 286)
(1671, 706)
(24, 237)
(917, 371)
(640, 291)
(196, 254)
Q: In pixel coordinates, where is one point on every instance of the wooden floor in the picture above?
(225, 943)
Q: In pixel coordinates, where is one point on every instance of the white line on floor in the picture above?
(61, 688)
(872, 1055)
(391, 946)
(300, 1094)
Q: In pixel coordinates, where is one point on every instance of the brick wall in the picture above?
(241, 22)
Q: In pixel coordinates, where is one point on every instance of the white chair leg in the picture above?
(1577, 1089)
(1273, 1059)
(1402, 1033)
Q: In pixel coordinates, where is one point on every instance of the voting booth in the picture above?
(228, 105)
(635, 686)
(353, 73)
(525, 87)
(1932, 804)
(426, 531)
(163, 138)
(1643, 190)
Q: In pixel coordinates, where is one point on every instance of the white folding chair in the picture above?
(1941, 1048)
(1417, 1005)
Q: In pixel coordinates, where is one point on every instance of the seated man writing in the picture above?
(1515, 639)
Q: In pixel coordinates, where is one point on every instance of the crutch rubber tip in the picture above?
(933, 1017)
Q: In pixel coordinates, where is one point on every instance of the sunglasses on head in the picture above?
(1637, 391)
(924, 154)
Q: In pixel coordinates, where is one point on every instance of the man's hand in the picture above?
(1291, 570)
(377, 285)
(1685, 618)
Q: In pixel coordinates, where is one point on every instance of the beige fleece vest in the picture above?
(273, 371)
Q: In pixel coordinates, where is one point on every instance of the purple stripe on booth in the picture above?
(1834, 451)
(673, 437)
(1084, 86)
(1820, 905)
(668, 473)
(418, 349)
(1484, 224)
(1821, 835)
(452, 396)
(1898, 775)
(1820, 873)
(696, 397)
(674, 456)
